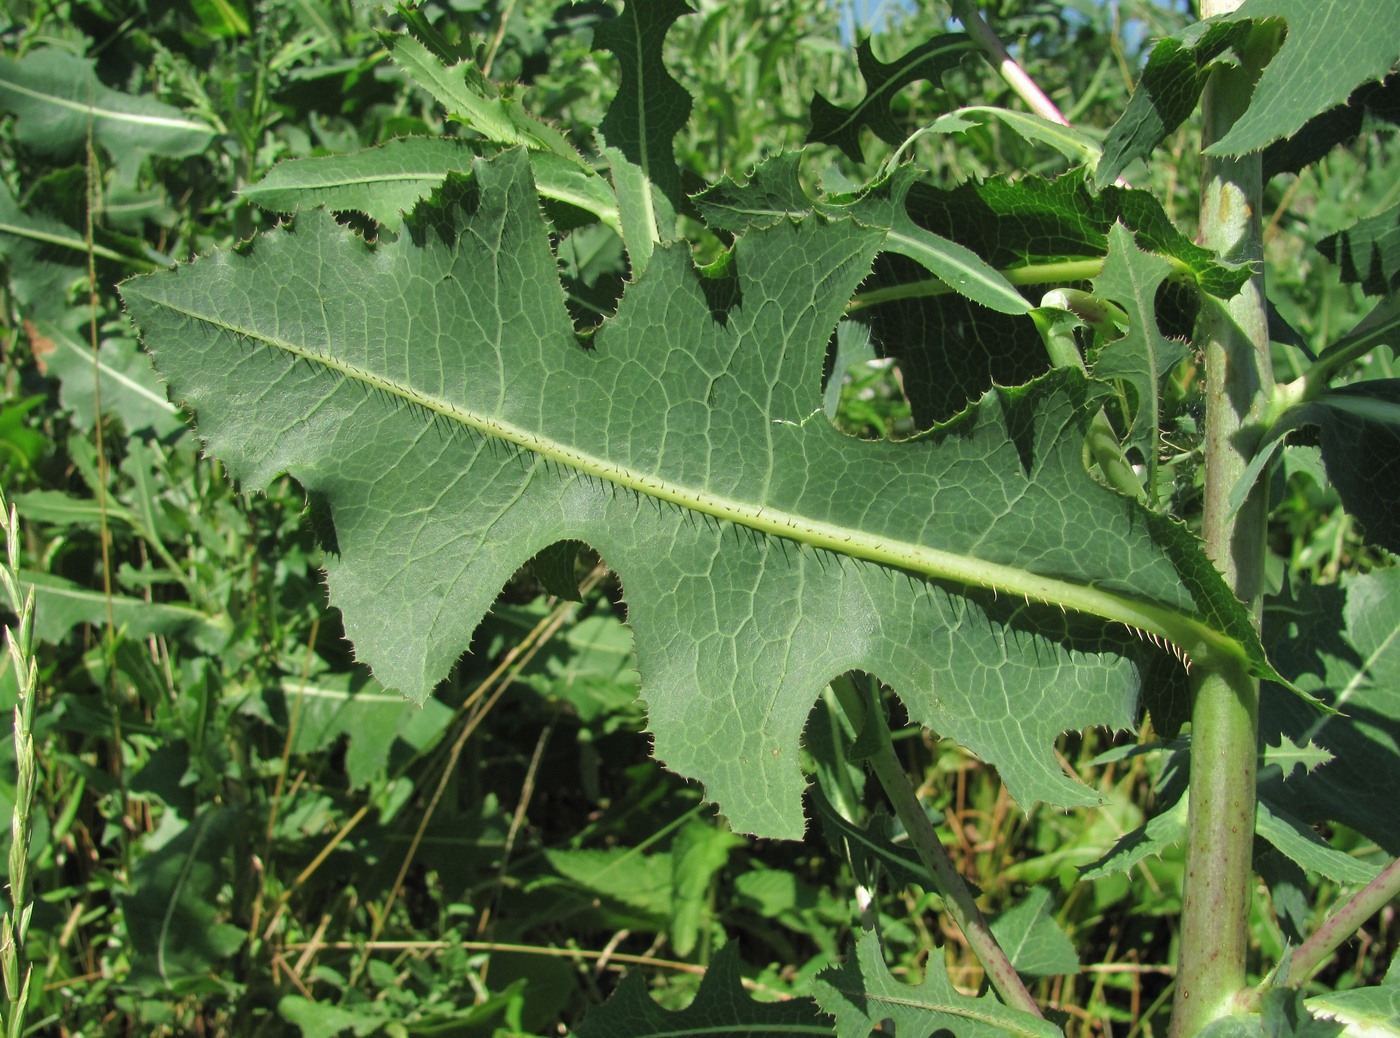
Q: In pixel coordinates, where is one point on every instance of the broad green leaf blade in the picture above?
(863, 992)
(383, 182)
(1342, 645)
(1306, 848)
(61, 605)
(1032, 940)
(721, 1007)
(835, 124)
(1368, 252)
(58, 100)
(431, 396)
(172, 913)
(1373, 1012)
(1328, 51)
(1166, 93)
(1361, 449)
(1143, 357)
(373, 719)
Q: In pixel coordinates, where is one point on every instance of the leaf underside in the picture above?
(431, 393)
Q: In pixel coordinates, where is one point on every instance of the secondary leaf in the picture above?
(172, 913)
(373, 720)
(1143, 357)
(774, 193)
(63, 605)
(1368, 252)
(58, 100)
(1031, 938)
(431, 393)
(1161, 832)
(1073, 144)
(388, 181)
(1343, 645)
(1166, 93)
(1033, 229)
(640, 127)
(1361, 449)
(1306, 848)
(720, 1007)
(124, 377)
(477, 103)
(862, 992)
(1328, 50)
(383, 182)
(1372, 1011)
(1338, 125)
(841, 126)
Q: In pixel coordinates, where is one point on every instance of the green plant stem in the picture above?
(1344, 922)
(868, 720)
(1233, 336)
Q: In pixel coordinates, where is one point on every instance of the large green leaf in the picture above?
(432, 397)
(59, 101)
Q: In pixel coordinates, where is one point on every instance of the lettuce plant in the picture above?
(1024, 566)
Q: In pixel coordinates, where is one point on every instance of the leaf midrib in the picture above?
(106, 113)
(1194, 637)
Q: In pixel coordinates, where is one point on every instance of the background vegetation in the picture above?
(236, 831)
